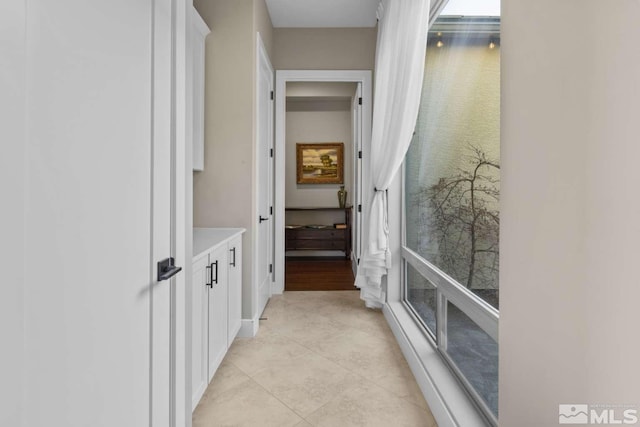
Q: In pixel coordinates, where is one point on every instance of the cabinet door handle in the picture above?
(233, 251)
(210, 282)
(262, 219)
(214, 280)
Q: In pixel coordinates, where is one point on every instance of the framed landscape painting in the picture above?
(320, 163)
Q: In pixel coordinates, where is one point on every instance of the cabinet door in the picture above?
(235, 287)
(218, 308)
(199, 339)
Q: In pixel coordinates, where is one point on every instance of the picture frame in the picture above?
(320, 163)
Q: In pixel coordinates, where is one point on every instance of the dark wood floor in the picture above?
(318, 274)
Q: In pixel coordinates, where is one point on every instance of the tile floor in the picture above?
(320, 359)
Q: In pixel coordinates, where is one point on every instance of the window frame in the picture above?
(479, 311)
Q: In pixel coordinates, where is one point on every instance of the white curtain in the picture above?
(400, 56)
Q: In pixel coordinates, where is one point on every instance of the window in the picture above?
(451, 197)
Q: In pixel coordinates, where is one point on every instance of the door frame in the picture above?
(356, 218)
(170, 80)
(182, 206)
(336, 76)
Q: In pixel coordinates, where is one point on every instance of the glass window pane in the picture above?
(452, 167)
(421, 294)
(475, 353)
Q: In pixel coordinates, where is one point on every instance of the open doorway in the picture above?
(322, 135)
(320, 183)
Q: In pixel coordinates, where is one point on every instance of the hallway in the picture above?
(320, 358)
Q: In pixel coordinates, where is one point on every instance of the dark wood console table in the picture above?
(325, 238)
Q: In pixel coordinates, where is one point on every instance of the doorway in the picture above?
(320, 113)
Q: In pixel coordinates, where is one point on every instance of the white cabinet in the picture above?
(197, 35)
(199, 331)
(216, 303)
(218, 308)
(235, 287)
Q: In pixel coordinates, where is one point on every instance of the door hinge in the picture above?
(360, 154)
(359, 208)
(270, 152)
(272, 95)
(270, 210)
(360, 101)
(270, 268)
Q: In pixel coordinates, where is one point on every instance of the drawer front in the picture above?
(328, 233)
(290, 233)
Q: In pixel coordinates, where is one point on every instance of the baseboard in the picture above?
(197, 397)
(449, 403)
(249, 327)
(276, 289)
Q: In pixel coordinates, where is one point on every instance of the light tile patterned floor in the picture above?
(321, 359)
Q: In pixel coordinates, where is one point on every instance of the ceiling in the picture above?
(323, 13)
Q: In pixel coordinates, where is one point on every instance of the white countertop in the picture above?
(205, 239)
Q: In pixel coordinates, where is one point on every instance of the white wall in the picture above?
(12, 187)
(324, 48)
(223, 193)
(317, 112)
(315, 124)
(320, 89)
(569, 208)
(315, 127)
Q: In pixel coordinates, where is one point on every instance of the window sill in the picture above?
(449, 403)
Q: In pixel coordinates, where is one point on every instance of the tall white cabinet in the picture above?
(197, 36)
(216, 301)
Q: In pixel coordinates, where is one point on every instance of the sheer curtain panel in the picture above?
(402, 40)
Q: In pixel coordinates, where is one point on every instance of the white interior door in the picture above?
(98, 213)
(356, 118)
(264, 160)
(162, 214)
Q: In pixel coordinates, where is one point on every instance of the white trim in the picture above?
(198, 22)
(276, 290)
(188, 223)
(448, 401)
(249, 327)
(282, 77)
(483, 314)
(434, 11)
(262, 62)
(180, 381)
